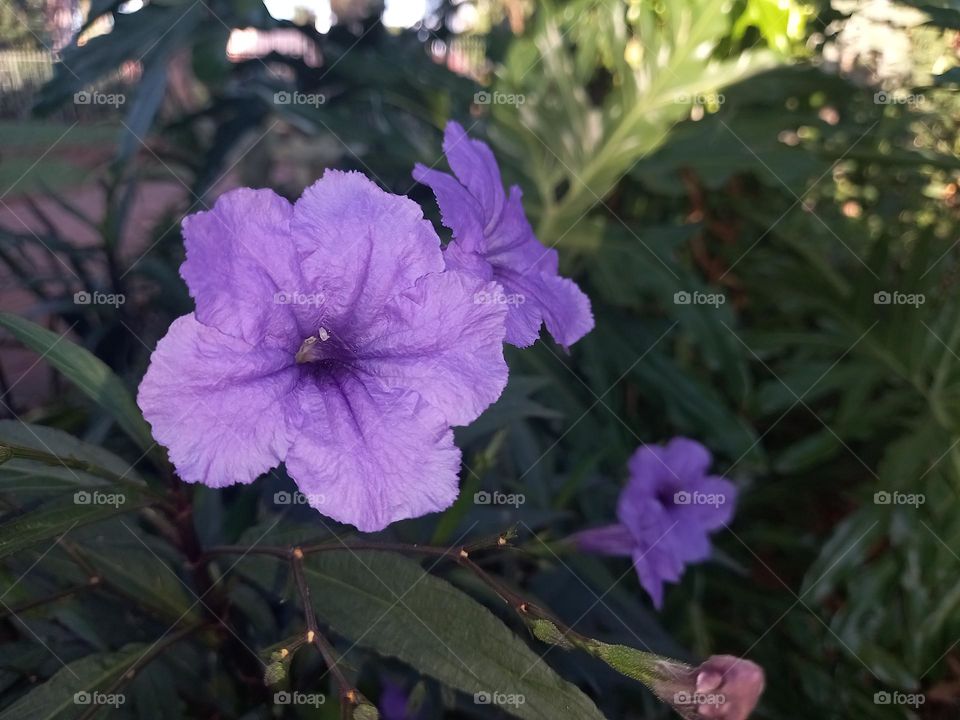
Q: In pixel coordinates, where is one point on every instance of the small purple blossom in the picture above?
(666, 512)
(326, 336)
(394, 702)
(493, 240)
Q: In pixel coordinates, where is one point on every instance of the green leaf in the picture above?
(21, 474)
(56, 698)
(87, 372)
(56, 518)
(142, 574)
(391, 605)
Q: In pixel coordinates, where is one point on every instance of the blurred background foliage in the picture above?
(800, 158)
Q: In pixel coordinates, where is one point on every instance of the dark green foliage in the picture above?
(664, 149)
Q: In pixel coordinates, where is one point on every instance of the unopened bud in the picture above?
(642, 666)
(274, 673)
(546, 631)
(365, 711)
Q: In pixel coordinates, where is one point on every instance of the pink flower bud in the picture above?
(727, 687)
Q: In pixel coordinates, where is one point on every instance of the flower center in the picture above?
(312, 349)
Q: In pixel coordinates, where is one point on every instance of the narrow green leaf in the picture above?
(68, 692)
(22, 474)
(54, 519)
(87, 372)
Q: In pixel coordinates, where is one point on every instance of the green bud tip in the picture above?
(365, 711)
(274, 673)
(548, 632)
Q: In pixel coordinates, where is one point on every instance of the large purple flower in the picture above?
(666, 512)
(494, 241)
(325, 336)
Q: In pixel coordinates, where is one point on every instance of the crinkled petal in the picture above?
(241, 266)
(459, 210)
(442, 338)
(552, 299)
(458, 259)
(491, 229)
(223, 408)
(361, 247)
(369, 456)
(511, 243)
(473, 163)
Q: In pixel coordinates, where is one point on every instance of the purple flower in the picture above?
(666, 512)
(325, 336)
(394, 701)
(493, 241)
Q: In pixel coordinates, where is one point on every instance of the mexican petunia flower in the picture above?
(493, 240)
(666, 512)
(326, 336)
(723, 687)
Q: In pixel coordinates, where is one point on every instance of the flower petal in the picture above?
(241, 264)
(361, 247)
(459, 210)
(442, 338)
(493, 240)
(370, 457)
(551, 299)
(476, 168)
(716, 500)
(687, 458)
(221, 407)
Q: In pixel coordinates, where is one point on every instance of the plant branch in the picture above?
(349, 696)
(159, 647)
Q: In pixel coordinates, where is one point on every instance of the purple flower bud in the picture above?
(724, 687)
